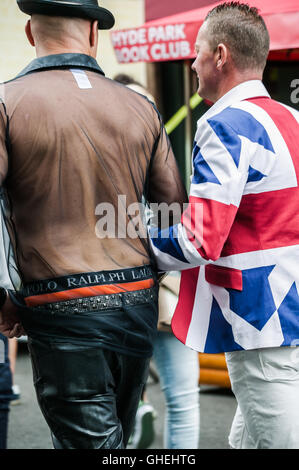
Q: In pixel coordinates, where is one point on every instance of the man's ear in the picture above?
(221, 56)
(93, 38)
(29, 33)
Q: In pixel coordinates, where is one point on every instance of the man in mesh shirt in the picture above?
(75, 146)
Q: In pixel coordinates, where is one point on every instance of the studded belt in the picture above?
(100, 302)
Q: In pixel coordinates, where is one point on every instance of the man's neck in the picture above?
(234, 80)
(45, 51)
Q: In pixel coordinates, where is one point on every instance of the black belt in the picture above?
(100, 302)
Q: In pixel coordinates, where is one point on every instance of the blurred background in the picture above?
(16, 53)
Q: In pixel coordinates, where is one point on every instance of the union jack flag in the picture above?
(239, 250)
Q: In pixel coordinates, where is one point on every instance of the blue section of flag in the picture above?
(289, 316)
(254, 175)
(256, 294)
(232, 123)
(220, 335)
(228, 137)
(166, 240)
(202, 171)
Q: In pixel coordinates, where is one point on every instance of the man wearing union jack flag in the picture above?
(238, 241)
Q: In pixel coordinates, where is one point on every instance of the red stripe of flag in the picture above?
(183, 314)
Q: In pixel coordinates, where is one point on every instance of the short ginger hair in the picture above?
(242, 29)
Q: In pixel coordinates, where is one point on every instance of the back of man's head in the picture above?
(59, 29)
(243, 31)
(58, 34)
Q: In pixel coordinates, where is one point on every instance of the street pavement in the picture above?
(28, 429)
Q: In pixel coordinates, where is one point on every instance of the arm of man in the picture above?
(164, 182)
(10, 324)
(220, 173)
(9, 321)
(165, 192)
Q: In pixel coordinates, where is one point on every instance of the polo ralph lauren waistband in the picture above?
(93, 284)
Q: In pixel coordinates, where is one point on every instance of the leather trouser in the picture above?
(88, 395)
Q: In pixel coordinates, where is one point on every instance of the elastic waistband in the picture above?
(92, 284)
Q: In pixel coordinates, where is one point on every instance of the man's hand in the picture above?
(10, 325)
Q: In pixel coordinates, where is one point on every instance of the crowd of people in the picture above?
(83, 161)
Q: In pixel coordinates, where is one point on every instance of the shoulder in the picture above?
(236, 116)
(294, 112)
(133, 96)
(243, 119)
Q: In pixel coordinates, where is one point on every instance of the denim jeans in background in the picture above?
(179, 373)
(5, 390)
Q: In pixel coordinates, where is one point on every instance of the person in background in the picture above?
(177, 365)
(6, 379)
(178, 368)
(238, 240)
(13, 354)
(5, 390)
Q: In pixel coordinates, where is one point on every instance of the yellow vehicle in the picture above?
(213, 370)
